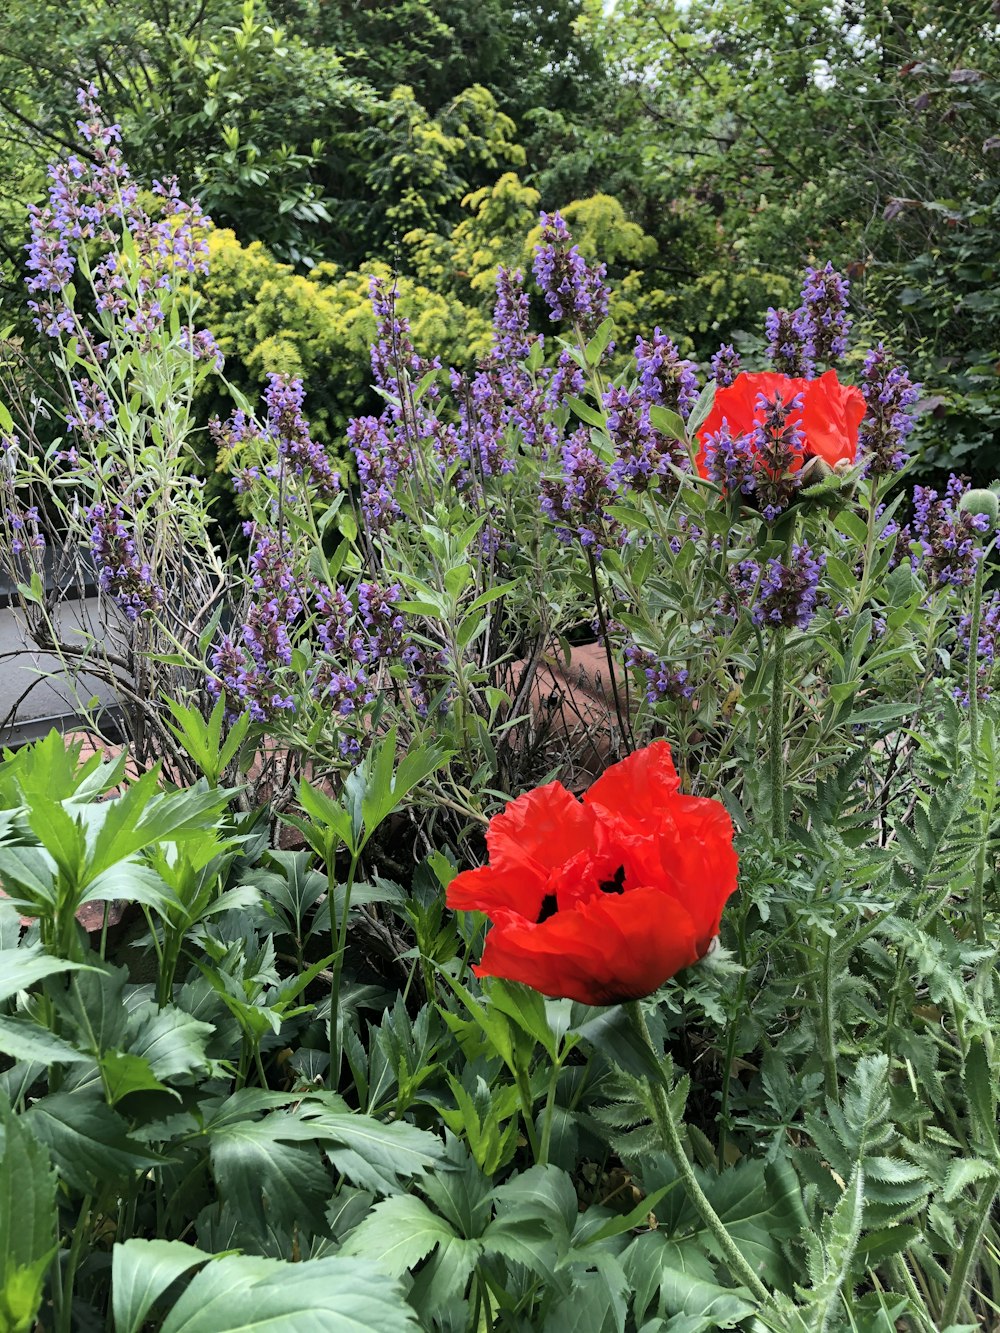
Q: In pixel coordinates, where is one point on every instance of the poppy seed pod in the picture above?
(981, 502)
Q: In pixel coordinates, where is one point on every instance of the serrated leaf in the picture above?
(27, 1222)
(397, 1234)
(141, 1271)
(21, 968)
(243, 1294)
(88, 1141)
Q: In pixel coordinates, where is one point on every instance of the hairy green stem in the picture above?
(827, 1021)
(338, 940)
(968, 1254)
(777, 738)
(666, 1124)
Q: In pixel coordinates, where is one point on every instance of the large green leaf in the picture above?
(398, 1233)
(171, 1040)
(27, 1223)
(21, 968)
(141, 1271)
(375, 1155)
(681, 1278)
(268, 1177)
(762, 1207)
(241, 1294)
(89, 1141)
(21, 1039)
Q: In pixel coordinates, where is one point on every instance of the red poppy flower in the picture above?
(601, 900)
(830, 416)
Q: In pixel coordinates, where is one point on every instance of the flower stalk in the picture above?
(670, 1132)
(777, 737)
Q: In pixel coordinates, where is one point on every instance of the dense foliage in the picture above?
(395, 1030)
(738, 141)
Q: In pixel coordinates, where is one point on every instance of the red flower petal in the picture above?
(831, 415)
(609, 949)
(831, 412)
(540, 831)
(633, 792)
(492, 891)
(699, 863)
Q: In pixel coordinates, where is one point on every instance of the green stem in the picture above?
(967, 1255)
(777, 755)
(550, 1101)
(524, 1093)
(900, 1271)
(72, 1260)
(826, 1019)
(666, 1124)
(973, 668)
(338, 938)
(624, 723)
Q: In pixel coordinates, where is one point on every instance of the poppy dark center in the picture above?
(615, 885)
(549, 908)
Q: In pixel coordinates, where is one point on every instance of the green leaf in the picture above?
(141, 1271)
(88, 1141)
(586, 413)
(170, 1040)
(397, 1234)
(981, 1087)
(392, 1153)
(28, 1221)
(527, 1009)
(22, 1039)
(21, 968)
(267, 1179)
(124, 1072)
(244, 1294)
(667, 422)
(596, 347)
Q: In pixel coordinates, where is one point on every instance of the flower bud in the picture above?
(981, 502)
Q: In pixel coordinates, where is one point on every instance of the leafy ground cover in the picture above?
(707, 1042)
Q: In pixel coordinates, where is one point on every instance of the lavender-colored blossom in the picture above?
(343, 692)
(890, 397)
(380, 457)
(766, 462)
(666, 378)
(482, 435)
(289, 429)
(122, 572)
(393, 356)
(511, 339)
(566, 381)
(574, 290)
(644, 454)
(822, 318)
(202, 346)
(779, 595)
(725, 365)
(947, 535)
(95, 200)
(93, 413)
(25, 529)
(382, 625)
(662, 681)
(246, 686)
(786, 343)
(576, 500)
